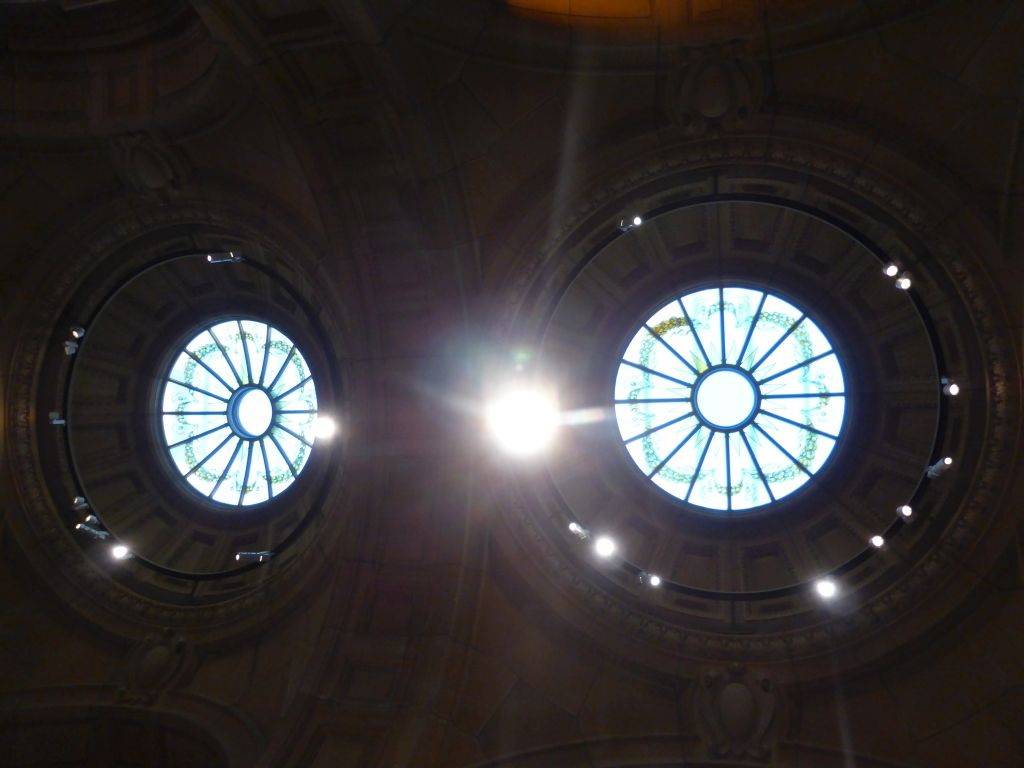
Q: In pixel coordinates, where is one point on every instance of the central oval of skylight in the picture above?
(729, 398)
(239, 412)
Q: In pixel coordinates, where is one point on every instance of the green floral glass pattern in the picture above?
(216, 458)
(790, 363)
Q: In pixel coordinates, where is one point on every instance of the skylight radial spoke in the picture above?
(792, 368)
(266, 355)
(777, 344)
(696, 472)
(201, 434)
(778, 445)
(801, 426)
(283, 455)
(627, 401)
(212, 372)
(721, 319)
(652, 430)
(245, 350)
(211, 454)
(805, 394)
(245, 480)
(197, 389)
(728, 474)
(651, 371)
(227, 469)
(671, 349)
(297, 386)
(674, 451)
(757, 466)
(693, 333)
(296, 435)
(227, 357)
(193, 413)
(284, 365)
(266, 469)
(750, 329)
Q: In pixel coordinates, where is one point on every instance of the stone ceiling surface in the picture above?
(438, 184)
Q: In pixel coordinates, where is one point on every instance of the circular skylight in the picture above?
(239, 412)
(729, 398)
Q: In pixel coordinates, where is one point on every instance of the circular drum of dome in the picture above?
(729, 398)
(239, 412)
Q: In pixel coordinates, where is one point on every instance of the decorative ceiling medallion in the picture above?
(949, 286)
(238, 412)
(729, 398)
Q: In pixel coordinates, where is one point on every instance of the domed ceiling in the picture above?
(740, 586)
(437, 202)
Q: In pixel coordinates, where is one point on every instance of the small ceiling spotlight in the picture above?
(903, 282)
(579, 531)
(650, 579)
(940, 467)
(324, 427)
(950, 387)
(224, 257)
(877, 541)
(70, 348)
(905, 511)
(604, 546)
(259, 556)
(826, 588)
(119, 551)
(891, 269)
(77, 332)
(523, 422)
(79, 503)
(56, 419)
(630, 222)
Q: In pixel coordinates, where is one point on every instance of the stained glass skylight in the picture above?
(729, 398)
(239, 410)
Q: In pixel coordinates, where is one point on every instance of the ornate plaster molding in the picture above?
(914, 223)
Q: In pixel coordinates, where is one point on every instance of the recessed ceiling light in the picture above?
(604, 546)
(826, 588)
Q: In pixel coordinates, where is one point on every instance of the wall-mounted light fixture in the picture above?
(630, 222)
(224, 257)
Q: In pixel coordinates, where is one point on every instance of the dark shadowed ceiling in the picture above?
(428, 198)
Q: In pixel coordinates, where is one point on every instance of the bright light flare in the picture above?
(324, 427)
(582, 416)
(523, 422)
(877, 541)
(826, 588)
(119, 552)
(604, 546)
(906, 511)
(654, 580)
